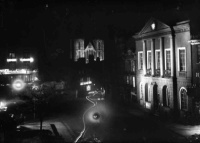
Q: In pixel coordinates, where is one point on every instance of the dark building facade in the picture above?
(123, 81)
(18, 64)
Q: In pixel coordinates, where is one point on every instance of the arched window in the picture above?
(166, 96)
(184, 99)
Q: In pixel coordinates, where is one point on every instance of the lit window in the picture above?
(167, 59)
(182, 59)
(127, 80)
(11, 55)
(141, 91)
(157, 59)
(133, 81)
(132, 66)
(148, 59)
(184, 99)
(79, 49)
(140, 60)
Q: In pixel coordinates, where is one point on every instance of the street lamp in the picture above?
(18, 85)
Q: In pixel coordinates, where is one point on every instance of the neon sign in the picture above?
(11, 60)
(27, 59)
(17, 71)
(86, 83)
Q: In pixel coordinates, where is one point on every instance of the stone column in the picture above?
(152, 57)
(172, 55)
(144, 57)
(161, 56)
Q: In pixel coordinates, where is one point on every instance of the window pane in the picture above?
(140, 61)
(183, 99)
(168, 60)
(149, 60)
(182, 60)
(158, 60)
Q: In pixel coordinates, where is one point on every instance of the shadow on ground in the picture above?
(26, 135)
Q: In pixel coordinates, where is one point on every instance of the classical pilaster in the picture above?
(152, 57)
(144, 57)
(172, 55)
(161, 56)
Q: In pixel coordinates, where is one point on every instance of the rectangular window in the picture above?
(198, 54)
(132, 66)
(127, 79)
(133, 81)
(148, 59)
(157, 59)
(140, 60)
(167, 59)
(11, 55)
(182, 59)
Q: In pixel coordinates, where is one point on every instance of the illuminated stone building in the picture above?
(81, 49)
(88, 58)
(167, 66)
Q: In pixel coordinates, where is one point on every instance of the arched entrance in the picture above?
(183, 99)
(155, 97)
(146, 92)
(166, 97)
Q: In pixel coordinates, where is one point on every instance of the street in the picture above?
(114, 125)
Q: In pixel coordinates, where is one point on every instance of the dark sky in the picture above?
(25, 20)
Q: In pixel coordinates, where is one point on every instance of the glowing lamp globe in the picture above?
(96, 116)
(18, 85)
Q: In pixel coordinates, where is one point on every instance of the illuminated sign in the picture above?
(27, 59)
(86, 83)
(17, 71)
(11, 60)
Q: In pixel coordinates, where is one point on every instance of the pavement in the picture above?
(184, 131)
(61, 126)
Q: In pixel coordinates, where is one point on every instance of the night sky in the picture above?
(26, 22)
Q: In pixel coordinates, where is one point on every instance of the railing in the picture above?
(148, 72)
(157, 72)
(167, 73)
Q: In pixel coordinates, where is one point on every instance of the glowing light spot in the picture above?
(96, 116)
(11, 60)
(27, 59)
(88, 87)
(153, 25)
(18, 84)
(3, 106)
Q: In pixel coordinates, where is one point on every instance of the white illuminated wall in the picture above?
(95, 48)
